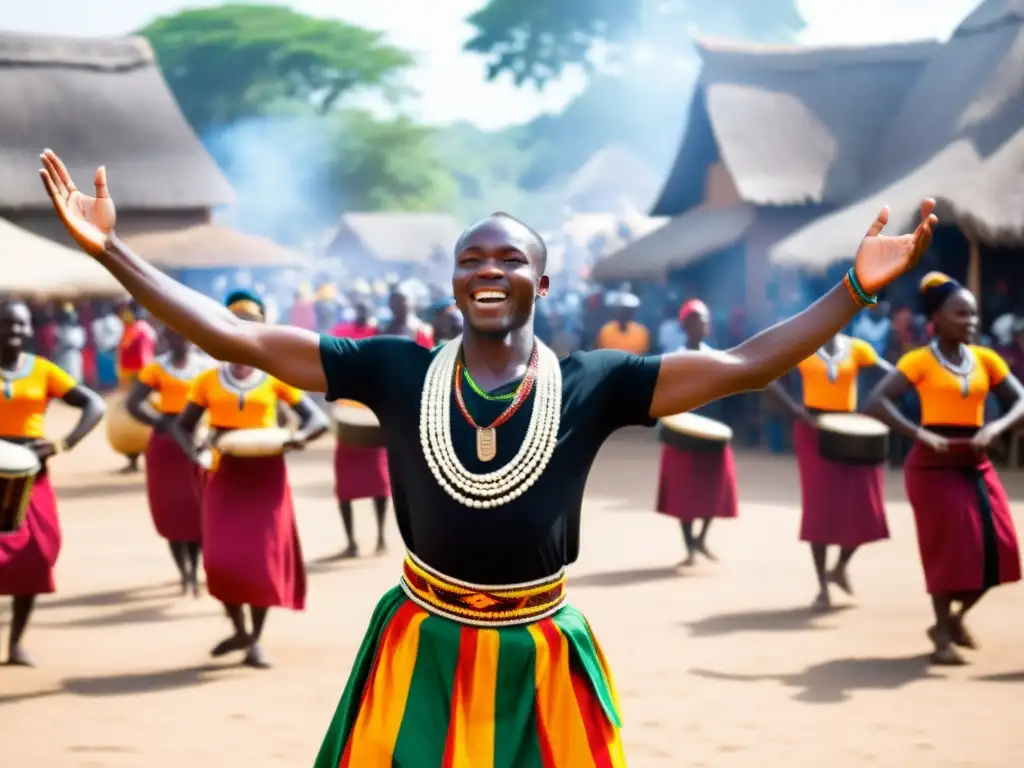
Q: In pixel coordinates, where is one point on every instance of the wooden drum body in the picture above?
(253, 443)
(125, 435)
(18, 469)
(356, 425)
(690, 432)
(852, 438)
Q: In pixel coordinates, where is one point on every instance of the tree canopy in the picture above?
(234, 61)
(535, 41)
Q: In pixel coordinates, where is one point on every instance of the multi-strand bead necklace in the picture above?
(497, 488)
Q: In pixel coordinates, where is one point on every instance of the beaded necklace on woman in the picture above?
(496, 488)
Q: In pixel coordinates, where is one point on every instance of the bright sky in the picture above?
(451, 82)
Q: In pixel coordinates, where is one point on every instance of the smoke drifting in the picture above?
(277, 167)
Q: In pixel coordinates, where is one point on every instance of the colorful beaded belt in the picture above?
(482, 606)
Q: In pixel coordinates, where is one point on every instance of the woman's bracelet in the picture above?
(857, 293)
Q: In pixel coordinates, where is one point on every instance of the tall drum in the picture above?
(357, 426)
(125, 434)
(690, 432)
(18, 469)
(852, 438)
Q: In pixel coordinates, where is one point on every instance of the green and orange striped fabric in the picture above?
(427, 692)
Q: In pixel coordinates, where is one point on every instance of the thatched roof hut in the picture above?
(789, 126)
(406, 244)
(958, 136)
(34, 267)
(99, 101)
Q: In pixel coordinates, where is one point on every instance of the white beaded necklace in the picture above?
(834, 360)
(962, 371)
(497, 488)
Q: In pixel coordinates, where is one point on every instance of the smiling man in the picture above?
(476, 658)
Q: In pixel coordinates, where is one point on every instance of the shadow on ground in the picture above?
(833, 682)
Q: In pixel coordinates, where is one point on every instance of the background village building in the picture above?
(104, 101)
(401, 245)
(958, 137)
(776, 136)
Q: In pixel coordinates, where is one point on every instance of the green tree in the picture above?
(235, 61)
(387, 165)
(536, 40)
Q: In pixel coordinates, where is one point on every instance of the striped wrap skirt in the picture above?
(455, 675)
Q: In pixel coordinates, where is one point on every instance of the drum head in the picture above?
(17, 460)
(699, 427)
(852, 424)
(253, 442)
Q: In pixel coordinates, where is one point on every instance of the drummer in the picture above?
(135, 351)
(251, 548)
(965, 529)
(843, 504)
(360, 472)
(697, 485)
(173, 481)
(29, 383)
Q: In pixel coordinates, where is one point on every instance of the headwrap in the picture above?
(936, 288)
(692, 306)
(244, 300)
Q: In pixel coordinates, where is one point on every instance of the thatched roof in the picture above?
(791, 125)
(957, 137)
(681, 242)
(399, 238)
(610, 177)
(34, 267)
(98, 102)
(210, 246)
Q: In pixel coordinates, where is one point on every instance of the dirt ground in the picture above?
(722, 667)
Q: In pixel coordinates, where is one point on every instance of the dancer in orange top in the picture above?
(843, 504)
(965, 530)
(29, 384)
(251, 549)
(173, 481)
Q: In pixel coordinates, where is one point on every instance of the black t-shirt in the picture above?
(532, 536)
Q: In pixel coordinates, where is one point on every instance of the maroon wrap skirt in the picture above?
(28, 555)
(174, 490)
(251, 550)
(693, 485)
(842, 504)
(965, 531)
(360, 473)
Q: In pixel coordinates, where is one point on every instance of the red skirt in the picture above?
(174, 490)
(360, 473)
(27, 556)
(965, 531)
(693, 485)
(843, 504)
(251, 550)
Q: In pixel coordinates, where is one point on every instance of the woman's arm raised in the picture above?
(289, 354)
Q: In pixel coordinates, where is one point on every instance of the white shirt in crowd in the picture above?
(107, 331)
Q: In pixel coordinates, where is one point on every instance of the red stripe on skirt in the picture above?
(463, 680)
(595, 721)
(360, 473)
(693, 485)
(947, 513)
(174, 489)
(251, 550)
(28, 555)
(843, 504)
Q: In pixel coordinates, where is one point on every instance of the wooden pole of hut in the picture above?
(973, 260)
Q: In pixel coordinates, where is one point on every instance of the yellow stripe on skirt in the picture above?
(429, 690)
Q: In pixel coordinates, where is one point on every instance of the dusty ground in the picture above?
(722, 667)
